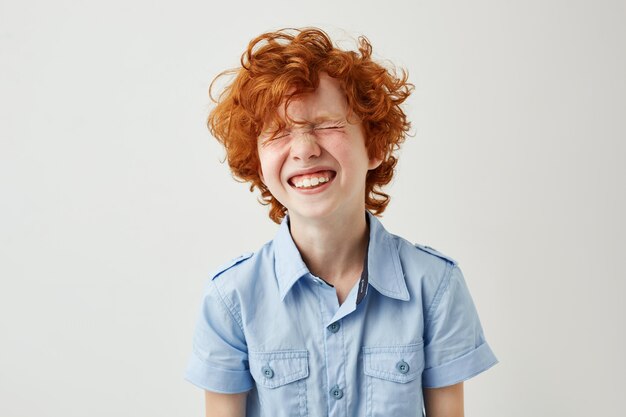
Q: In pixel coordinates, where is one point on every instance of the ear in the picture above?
(374, 163)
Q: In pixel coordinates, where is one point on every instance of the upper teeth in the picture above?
(310, 182)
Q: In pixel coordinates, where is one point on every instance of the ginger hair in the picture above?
(280, 66)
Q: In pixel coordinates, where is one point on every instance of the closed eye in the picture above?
(269, 140)
(329, 127)
(279, 135)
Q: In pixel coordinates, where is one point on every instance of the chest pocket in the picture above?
(394, 380)
(281, 378)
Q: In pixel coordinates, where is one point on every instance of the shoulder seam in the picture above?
(236, 317)
(443, 286)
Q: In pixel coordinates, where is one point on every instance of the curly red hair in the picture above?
(279, 66)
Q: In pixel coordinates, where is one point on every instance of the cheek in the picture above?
(270, 164)
(346, 153)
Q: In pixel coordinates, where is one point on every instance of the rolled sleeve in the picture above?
(219, 359)
(455, 348)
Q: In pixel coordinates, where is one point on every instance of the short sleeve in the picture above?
(454, 344)
(219, 359)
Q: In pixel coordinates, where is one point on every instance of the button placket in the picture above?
(333, 332)
(336, 392)
(334, 327)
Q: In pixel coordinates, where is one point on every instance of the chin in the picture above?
(314, 212)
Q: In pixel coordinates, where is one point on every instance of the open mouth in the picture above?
(313, 180)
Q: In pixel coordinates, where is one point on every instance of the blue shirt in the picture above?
(269, 326)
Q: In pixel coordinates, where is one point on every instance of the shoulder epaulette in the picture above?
(435, 252)
(231, 263)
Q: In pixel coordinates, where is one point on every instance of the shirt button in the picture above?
(267, 372)
(334, 327)
(336, 392)
(402, 367)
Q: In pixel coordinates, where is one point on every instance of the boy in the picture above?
(335, 316)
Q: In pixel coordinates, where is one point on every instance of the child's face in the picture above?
(317, 167)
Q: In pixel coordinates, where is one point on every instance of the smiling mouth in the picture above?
(313, 180)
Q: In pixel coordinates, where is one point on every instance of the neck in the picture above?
(332, 250)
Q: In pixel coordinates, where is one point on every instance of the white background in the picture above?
(115, 207)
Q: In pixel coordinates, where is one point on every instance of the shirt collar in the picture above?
(289, 266)
(384, 269)
(383, 263)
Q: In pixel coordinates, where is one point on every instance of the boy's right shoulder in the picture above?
(232, 264)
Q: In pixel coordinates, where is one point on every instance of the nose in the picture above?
(304, 145)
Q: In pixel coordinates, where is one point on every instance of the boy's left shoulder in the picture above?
(231, 264)
(435, 252)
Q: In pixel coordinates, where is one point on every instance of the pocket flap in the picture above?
(394, 363)
(278, 368)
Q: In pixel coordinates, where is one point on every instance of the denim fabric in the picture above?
(268, 326)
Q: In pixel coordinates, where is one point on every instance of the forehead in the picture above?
(328, 101)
